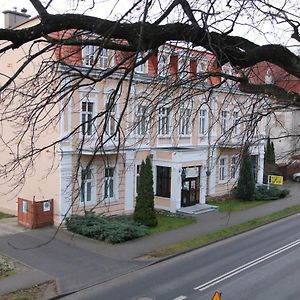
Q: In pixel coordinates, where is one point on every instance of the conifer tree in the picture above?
(144, 212)
(268, 151)
(272, 153)
(246, 183)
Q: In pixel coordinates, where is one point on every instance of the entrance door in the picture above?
(189, 192)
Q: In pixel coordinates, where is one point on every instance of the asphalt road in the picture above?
(73, 267)
(261, 264)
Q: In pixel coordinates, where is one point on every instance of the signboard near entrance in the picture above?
(274, 179)
(191, 172)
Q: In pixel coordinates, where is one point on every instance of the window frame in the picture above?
(109, 191)
(111, 116)
(141, 68)
(87, 125)
(103, 60)
(234, 167)
(236, 125)
(223, 169)
(142, 120)
(164, 120)
(95, 56)
(163, 181)
(224, 121)
(137, 177)
(184, 128)
(203, 121)
(85, 182)
(162, 64)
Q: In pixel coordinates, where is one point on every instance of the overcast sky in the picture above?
(103, 8)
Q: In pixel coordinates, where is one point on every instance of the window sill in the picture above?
(87, 203)
(111, 200)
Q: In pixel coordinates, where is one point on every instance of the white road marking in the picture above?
(180, 298)
(246, 266)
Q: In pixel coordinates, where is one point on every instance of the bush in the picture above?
(263, 193)
(113, 230)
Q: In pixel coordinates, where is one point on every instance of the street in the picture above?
(261, 264)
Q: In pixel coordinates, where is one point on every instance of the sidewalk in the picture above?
(76, 262)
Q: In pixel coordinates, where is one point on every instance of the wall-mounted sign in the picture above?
(191, 172)
(46, 206)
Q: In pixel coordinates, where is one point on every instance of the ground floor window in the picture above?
(86, 185)
(109, 182)
(222, 169)
(234, 167)
(163, 181)
(138, 170)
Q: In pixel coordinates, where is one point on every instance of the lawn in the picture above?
(170, 221)
(232, 205)
(4, 215)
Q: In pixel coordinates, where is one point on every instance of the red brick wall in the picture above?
(152, 65)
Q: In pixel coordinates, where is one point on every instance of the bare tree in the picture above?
(231, 36)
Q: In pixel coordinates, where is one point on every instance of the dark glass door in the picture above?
(189, 192)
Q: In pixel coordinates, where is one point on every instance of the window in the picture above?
(88, 55)
(203, 121)
(110, 116)
(103, 58)
(163, 181)
(109, 182)
(236, 128)
(87, 109)
(91, 55)
(141, 120)
(163, 120)
(233, 167)
(138, 170)
(223, 121)
(183, 64)
(201, 69)
(86, 185)
(222, 169)
(162, 65)
(184, 121)
(140, 68)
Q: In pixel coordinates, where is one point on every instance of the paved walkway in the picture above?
(76, 262)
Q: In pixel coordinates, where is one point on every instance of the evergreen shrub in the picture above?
(109, 229)
(246, 182)
(273, 193)
(144, 212)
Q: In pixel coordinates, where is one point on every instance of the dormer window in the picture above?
(140, 68)
(162, 65)
(103, 58)
(94, 56)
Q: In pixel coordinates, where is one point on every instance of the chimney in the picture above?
(13, 18)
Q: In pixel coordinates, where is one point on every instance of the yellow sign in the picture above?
(216, 296)
(276, 179)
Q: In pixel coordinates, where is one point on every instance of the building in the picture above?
(91, 128)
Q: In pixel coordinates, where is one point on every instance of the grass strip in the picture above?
(170, 222)
(4, 215)
(224, 233)
(233, 205)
